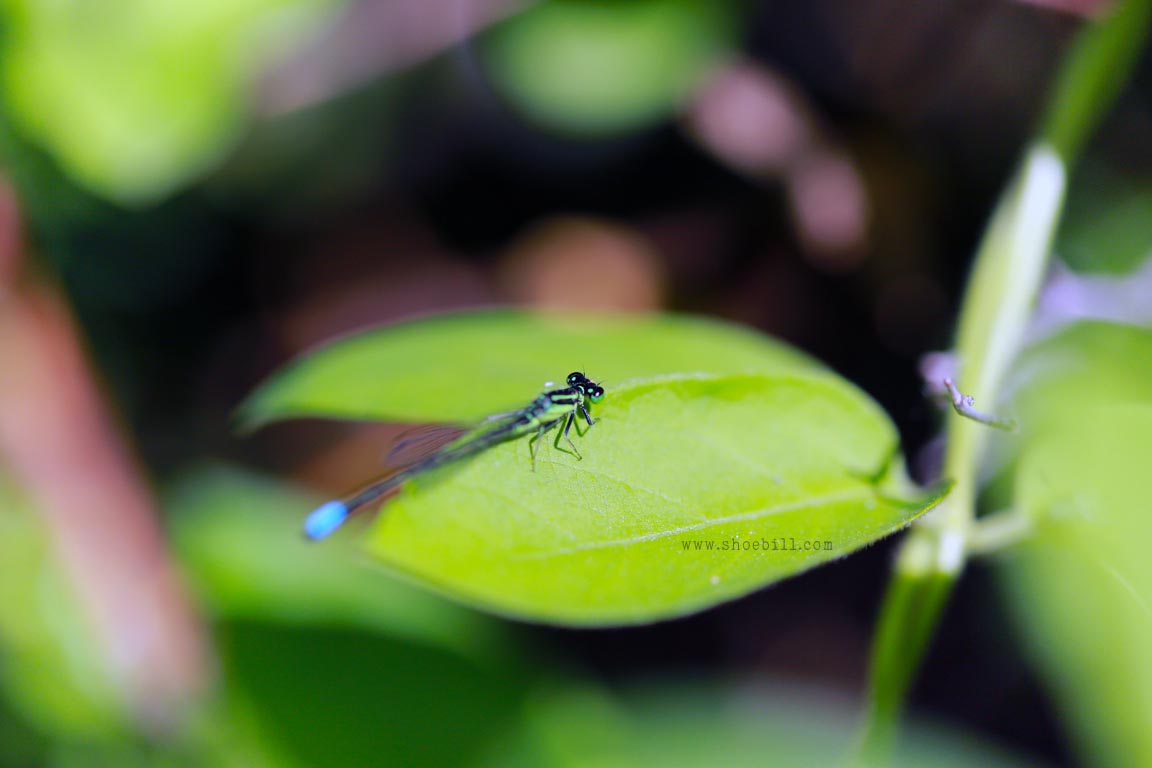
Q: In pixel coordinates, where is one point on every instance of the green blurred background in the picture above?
(192, 194)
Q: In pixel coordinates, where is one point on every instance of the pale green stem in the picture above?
(998, 531)
(1003, 288)
(1005, 280)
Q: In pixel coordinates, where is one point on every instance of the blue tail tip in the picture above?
(325, 519)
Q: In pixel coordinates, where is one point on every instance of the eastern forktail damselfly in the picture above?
(542, 414)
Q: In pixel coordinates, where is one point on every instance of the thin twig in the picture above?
(964, 405)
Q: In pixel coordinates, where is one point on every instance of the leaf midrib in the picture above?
(756, 514)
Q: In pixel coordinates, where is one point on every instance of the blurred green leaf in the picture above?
(593, 67)
(135, 98)
(1106, 230)
(238, 539)
(1081, 586)
(463, 367)
(1088, 363)
(733, 462)
(1082, 397)
(20, 746)
(1095, 70)
(783, 726)
(326, 663)
(336, 697)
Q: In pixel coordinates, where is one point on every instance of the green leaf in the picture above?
(326, 664)
(1081, 586)
(1095, 70)
(593, 68)
(1106, 231)
(342, 698)
(133, 99)
(703, 726)
(693, 490)
(1089, 363)
(463, 367)
(1083, 399)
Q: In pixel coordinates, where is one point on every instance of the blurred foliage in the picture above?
(333, 678)
(1084, 365)
(133, 99)
(235, 534)
(319, 665)
(332, 665)
(1080, 586)
(1106, 230)
(1005, 282)
(1006, 277)
(20, 746)
(700, 726)
(341, 697)
(1094, 70)
(601, 67)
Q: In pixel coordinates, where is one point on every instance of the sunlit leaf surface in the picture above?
(692, 490)
(467, 366)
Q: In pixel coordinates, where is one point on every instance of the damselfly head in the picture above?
(587, 387)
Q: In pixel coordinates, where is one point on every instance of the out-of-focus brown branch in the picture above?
(60, 444)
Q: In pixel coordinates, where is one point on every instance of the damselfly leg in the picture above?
(589, 419)
(569, 420)
(567, 429)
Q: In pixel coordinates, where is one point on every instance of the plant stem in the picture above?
(998, 531)
(1006, 277)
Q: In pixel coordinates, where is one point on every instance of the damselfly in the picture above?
(542, 414)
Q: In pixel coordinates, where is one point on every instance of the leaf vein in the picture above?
(755, 514)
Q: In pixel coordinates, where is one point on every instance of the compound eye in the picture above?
(574, 378)
(596, 394)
